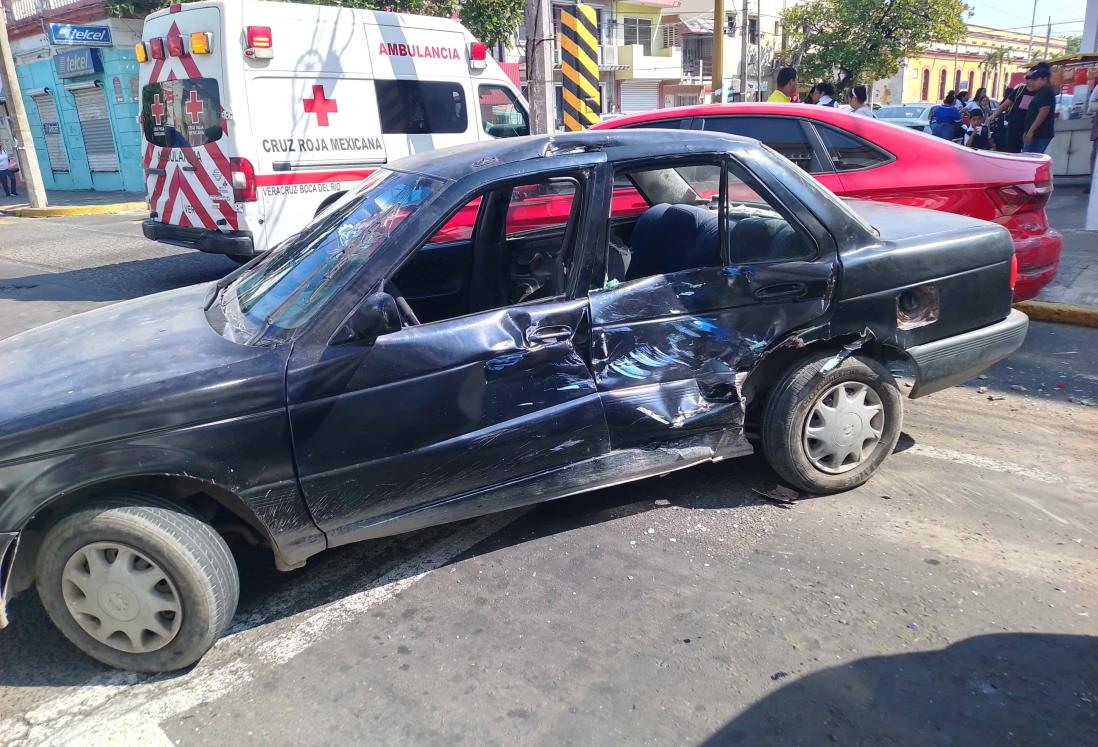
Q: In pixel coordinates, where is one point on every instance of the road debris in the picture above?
(995, 397)
(981, 390)
(780, 495)
(1018, 388)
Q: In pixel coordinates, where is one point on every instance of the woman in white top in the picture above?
(859, 103)
(7, 173)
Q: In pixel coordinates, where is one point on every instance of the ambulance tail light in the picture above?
(243, 178)
(260, 44)
(478, 55)
(200, 42)
(156, 48)
(175, 46)
(141, 52)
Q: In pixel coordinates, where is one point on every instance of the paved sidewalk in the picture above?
(73, 202)
(1077, 281)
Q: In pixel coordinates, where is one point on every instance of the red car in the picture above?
(860, 157)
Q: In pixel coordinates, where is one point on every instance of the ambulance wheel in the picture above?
(328, 201)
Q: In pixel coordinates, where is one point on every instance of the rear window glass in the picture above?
(413, 107)
(783, 134)
(181, 113)
(850, 153)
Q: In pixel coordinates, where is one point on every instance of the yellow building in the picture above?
(986, 58)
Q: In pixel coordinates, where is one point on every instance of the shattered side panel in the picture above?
(670, 353)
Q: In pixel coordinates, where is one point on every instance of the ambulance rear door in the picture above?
(421, 75)
(183, 96)
(313, 114)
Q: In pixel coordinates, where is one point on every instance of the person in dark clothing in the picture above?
(826, 93)
(945, 120)
(1008, 137)
(1039, 104)
(977, 135)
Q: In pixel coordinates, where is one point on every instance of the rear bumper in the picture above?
(954, 360)
(8, 541)
(1038, 262)
(236, 243)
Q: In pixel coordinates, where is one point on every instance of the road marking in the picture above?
(972, 460)
(127, 708)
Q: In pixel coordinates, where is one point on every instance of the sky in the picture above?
(1067, 15)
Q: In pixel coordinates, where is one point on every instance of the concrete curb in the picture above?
(54, 212)
(1086, 316)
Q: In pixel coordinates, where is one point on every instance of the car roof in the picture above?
(456, 162)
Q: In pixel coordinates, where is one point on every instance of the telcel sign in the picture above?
(69, 35)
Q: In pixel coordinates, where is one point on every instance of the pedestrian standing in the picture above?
(977, 134)
(786, 88)
(8, 169)
(1039, 105)
(1006, 124)
(826, 92)
(945, 120)
(974, 103)
(859, 102)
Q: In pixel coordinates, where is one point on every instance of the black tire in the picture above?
(192, 555)
(791, 402)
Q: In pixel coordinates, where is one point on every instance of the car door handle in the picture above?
(546, 335)
(781, 291)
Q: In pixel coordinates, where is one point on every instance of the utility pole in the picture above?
(1048, 34)
(32, 177)
(539, 66)
(1032, 20)
(744, 28)
(717, 75)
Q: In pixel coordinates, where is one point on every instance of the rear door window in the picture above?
(784, 134)
(414, 107)
(849, 152)
(181, 113)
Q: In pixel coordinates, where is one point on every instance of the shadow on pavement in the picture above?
(1010, 688)
(117, 282)
(34, 654)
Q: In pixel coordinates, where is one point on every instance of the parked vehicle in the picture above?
(258, 115)
(373, 377)
(915, 116)
(856, 158)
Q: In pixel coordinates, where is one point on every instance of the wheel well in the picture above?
(765, 375)
(220, 508)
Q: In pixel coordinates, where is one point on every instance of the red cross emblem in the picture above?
(320, 106)
(158, 110)
(194, 107)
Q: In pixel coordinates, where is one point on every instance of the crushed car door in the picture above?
(489, 387)
(719, 268)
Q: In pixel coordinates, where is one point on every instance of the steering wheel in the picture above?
(410, 319)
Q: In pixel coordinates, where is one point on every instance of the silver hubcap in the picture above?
(843, 427)
(121, 598)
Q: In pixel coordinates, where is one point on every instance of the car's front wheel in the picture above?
(825, 431)
(138, 586)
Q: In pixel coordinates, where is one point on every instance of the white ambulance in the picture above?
(257, 115)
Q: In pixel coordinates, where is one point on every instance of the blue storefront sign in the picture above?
(72, 35)
(77, 62)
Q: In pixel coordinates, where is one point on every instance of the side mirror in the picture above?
(377, 315)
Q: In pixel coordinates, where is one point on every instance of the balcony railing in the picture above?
(20, 10)
(695, 71)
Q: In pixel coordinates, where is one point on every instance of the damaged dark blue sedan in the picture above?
(472, 330)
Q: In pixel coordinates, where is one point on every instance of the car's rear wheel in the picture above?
(828, 431)
(137, 585)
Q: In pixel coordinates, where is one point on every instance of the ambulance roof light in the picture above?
(175, 46)
(260, 43)
(156, 48)
(478, 55)
(141, 52)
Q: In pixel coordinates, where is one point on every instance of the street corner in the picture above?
(1064, 313)
(26, 211)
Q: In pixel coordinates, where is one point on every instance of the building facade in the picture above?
(78, 77)
(986, 58)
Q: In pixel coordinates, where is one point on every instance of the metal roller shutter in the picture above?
(95, 125)
(51, 131)
(640, 95)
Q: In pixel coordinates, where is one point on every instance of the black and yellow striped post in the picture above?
(579, 66)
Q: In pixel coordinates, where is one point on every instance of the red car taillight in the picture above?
(1013, 270)
(243, 178)
(1020, 198)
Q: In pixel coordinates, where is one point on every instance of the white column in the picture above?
(1090, 44)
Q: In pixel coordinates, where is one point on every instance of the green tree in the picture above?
(1075, 43)
(993, 62)
(848, 41)
(491, 21)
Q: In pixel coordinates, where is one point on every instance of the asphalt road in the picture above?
(950, 601)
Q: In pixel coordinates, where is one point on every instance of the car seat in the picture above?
(670, 238)
(758, 238)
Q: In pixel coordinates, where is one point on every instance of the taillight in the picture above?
(243, 179)
(200, 42)
(1013, 270)
(1018, 198)
(478, 55)
(260, 43)
(175, 46)
(156, 48)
